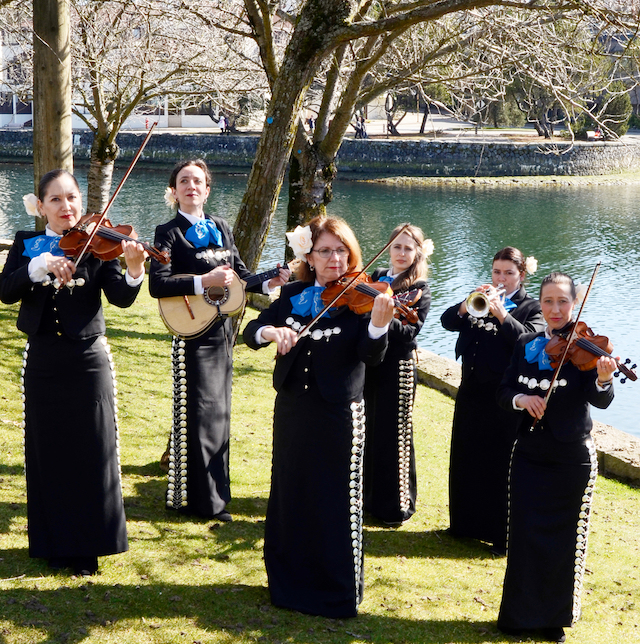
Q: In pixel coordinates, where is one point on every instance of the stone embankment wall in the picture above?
(414, 157)
(618, 452)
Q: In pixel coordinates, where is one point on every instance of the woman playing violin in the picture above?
(203, 254)
(483, 433)
(553, 473)
(390, 467)
(313, 531)
(74, 499)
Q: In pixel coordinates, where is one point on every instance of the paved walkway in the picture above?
(438, 127)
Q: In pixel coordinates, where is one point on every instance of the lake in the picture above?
(567, 228)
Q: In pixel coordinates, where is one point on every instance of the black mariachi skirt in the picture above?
(390, 486)
(74, 494)
(481, 443)
(198, 481)
(551, 489)
(313, 531)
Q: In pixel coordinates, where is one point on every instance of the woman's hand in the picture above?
(134, 255)
(535, 405)
(284, 337)
(282, 278)
(382, 311)
(606, 366)
(219, 276)
(61, 267)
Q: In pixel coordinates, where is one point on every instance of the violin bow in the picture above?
(572, 336)
(305, 331)
(92, 234)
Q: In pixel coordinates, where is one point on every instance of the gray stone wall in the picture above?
(411, 157)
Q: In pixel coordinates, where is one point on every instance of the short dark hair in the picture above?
(511, 254)
(199, 163)
(559, 278)
(51, 176)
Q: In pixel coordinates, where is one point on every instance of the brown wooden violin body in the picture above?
(585, 349)
(360, 295)
(106, 244)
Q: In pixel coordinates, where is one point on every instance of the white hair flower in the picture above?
(31, 205)
(581, 291)
(169, 199)
(428, 247)
(531, 264)
(300, 242)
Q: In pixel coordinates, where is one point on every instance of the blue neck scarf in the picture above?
(534, 352)
(385, 278)
(204, 233)
(509, 305)
(309, 302)
(42, 244)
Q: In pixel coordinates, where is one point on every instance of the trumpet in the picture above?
(478, 301)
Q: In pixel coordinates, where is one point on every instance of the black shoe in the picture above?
(497, 550)
(516, 632)
(552, 635)
(59, 563)
(223, 516)
(85, 566)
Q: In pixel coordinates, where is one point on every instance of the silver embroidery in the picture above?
(582, 532)
(178, 454)
(356, 503)
(405, 430)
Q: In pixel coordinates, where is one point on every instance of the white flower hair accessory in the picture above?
(31, 205)
(300, 242)
(428, 247)
(531, 264)
(581, 291)
(169, 199)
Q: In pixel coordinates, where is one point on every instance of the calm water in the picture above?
(565, 228)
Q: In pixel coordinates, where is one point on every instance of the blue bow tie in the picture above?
(309, 302)
(204, 233)
(42, 244)
(509, 305)
(534, 352)
(385, 278)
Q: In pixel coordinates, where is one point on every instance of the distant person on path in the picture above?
(483, 433)
(313, 530)
(390, 485)
(552, 476)
(74, 495)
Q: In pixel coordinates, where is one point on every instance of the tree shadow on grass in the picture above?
(237, 611)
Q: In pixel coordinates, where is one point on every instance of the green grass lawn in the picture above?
(187, 581)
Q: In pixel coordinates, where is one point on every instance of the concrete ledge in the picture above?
(618, 452)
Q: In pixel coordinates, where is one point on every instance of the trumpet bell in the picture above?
(477, 304)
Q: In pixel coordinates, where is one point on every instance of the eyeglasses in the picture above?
(325, 253)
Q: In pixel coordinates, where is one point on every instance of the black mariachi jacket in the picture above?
(486, 352)
(567, 416)
(402, 337)
(171, 237)
(78, 311)
(334, 354)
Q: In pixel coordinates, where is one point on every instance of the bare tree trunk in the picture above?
(310, 43)
(103, 156)
(310, 184)
(52, 137)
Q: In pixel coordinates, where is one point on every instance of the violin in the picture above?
(106, 243)
(585, 349)
(360, 295)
